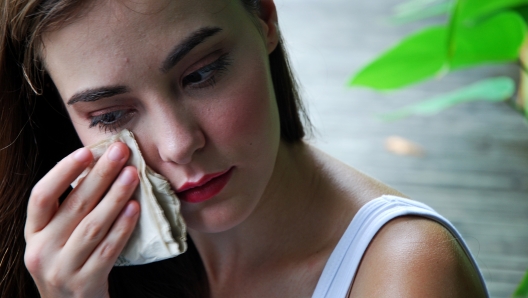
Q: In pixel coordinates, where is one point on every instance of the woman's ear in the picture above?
(269, 21)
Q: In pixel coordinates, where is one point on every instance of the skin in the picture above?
(270, 231)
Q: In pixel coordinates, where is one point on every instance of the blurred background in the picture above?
(469, 162)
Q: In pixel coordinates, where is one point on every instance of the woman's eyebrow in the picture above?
(175, 55)
(97, 93)
(182, 49)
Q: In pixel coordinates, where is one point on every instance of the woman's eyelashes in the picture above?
(111, 121)
(207, 75)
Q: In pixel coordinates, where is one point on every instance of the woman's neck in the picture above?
(284, 226)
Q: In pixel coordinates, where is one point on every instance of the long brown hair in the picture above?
(35, 133)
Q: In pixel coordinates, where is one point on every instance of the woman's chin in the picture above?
(214, 218)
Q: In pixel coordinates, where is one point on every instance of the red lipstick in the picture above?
(205, 188)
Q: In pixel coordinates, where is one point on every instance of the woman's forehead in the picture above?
(108, 12)
(167, 10)
(115, 25)
(105, 19)
(114, 32)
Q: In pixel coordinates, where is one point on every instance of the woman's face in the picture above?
(190, 78)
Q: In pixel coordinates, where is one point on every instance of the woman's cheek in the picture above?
(250, 118)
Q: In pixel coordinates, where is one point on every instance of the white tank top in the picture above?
(343, 263)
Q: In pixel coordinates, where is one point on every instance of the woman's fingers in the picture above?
(105, 255)
(96, 218)
(95, 226)
(44, 199)
(89, 192)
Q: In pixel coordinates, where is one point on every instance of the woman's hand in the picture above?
(71, 248)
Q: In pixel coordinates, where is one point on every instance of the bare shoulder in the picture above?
(416, 257)
(410, 256)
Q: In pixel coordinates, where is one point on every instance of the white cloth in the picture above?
(343, 263)
(160, 232)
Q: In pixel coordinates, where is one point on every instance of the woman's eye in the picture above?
(197, 76)
(207, 75)
(110, 121)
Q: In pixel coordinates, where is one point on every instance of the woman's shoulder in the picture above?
(410, 255)
(416, 256)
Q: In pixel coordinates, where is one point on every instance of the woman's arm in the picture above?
(416, 257)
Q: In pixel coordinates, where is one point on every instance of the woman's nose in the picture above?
(178, 137)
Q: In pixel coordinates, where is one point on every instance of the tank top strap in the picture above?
(344, 261)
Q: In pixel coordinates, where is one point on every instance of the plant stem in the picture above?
(522, 96)
(453, 22)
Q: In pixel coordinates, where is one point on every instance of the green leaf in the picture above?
(415, 58)
(428, 52)
(414, 5)
(523, 12)
(498, 39)
(416, 13)
(493, 90)
(522, 290)
(476, 8)
(423, 54)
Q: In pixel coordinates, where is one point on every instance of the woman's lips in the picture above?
(209, 186)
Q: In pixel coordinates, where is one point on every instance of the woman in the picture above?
(205, 88)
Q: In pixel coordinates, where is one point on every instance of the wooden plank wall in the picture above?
(475, 167)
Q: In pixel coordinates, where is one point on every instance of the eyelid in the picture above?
(205, 61)
(107, 110)
(218, 67)
(123, 117)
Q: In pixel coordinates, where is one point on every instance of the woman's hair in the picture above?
(36, 133)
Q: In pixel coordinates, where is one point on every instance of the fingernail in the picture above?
(127, 177)
(130, 210)
(82, 155)
(116, 154)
